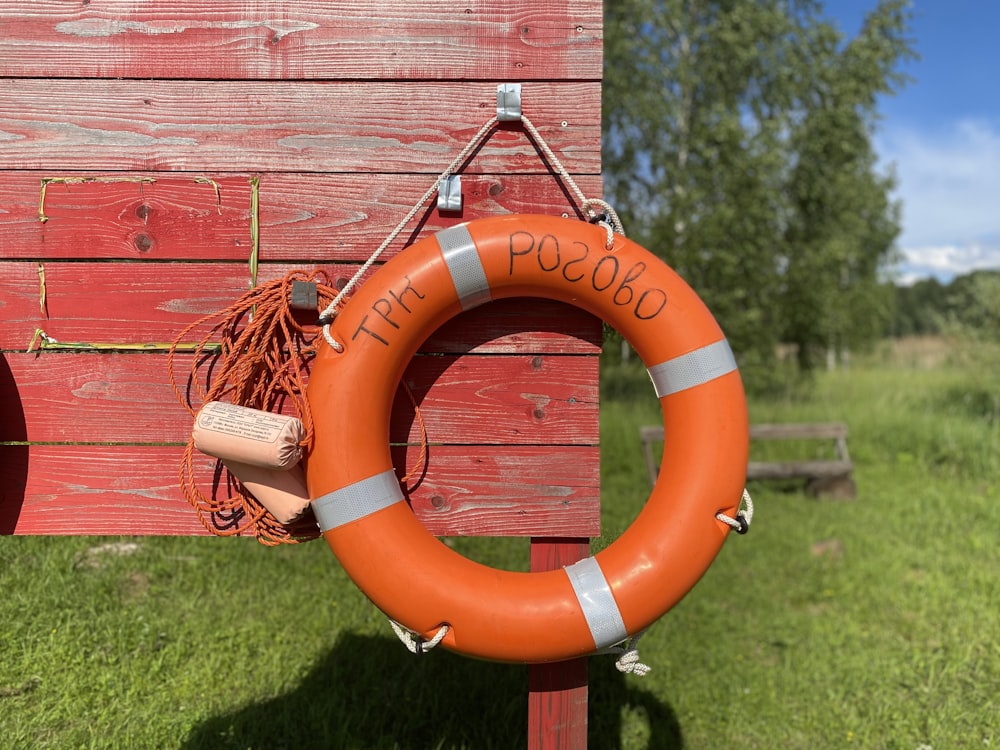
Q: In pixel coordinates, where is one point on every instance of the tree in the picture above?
(972, 304)
(738, 147)
(920, 309)
(971, 321)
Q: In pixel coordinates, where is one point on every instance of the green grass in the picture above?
(873, 623)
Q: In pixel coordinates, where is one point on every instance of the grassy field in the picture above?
(873, 623)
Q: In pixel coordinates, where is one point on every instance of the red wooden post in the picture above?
(557, 692)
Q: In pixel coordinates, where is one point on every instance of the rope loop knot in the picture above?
(740, 524)
(628, 656)
(414, 642)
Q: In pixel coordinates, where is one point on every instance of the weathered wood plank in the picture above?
(496, 399)
(520, 326)
(127, 398)
(142, 303)
(766, 431)
(392, 39)
(348, 216)
(301, 217)
(288, 126)
(798, 469)
(122, 303)
(799, 431)
(68, 489)
(508, 490)
(112, 302)
(150, 216)
(78, 489)
(842, 466)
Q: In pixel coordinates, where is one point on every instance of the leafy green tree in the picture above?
(971, 321)
(972, 304)
(919, 308)
(967, 308)
(738, 147)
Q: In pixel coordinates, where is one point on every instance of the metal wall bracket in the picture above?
(450, 193)
(305, 295)
(509, 102)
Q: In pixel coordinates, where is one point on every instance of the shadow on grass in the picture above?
(372, 693)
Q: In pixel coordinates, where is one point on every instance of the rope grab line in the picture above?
(605, 217)
(627, 662)
(597, 211)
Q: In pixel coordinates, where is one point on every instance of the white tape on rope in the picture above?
(462, 259)
(597, 602)
(692, 369)
(355, 501)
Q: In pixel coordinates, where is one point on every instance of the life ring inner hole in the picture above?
(531, 392)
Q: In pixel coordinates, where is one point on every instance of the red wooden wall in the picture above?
(149, 149)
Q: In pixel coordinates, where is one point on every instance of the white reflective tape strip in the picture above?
(597, 602)
(462, 259)
(691, 369)
(357, 500)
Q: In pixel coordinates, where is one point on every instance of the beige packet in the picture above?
(282, 492)
(248, 436)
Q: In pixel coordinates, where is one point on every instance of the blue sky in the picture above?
(941, 133)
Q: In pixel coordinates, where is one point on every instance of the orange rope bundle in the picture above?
(255, 354)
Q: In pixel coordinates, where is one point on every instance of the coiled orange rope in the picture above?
(253, 354)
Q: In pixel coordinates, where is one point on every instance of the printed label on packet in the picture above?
(239, 433)
(239, 421)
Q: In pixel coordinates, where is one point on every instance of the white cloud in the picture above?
(947, 261)
(949, 185)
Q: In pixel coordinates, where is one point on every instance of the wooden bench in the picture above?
(830, 477)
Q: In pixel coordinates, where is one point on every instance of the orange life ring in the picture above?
(502, 615)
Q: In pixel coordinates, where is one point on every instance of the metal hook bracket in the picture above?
(509, 102)
(450, 193)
